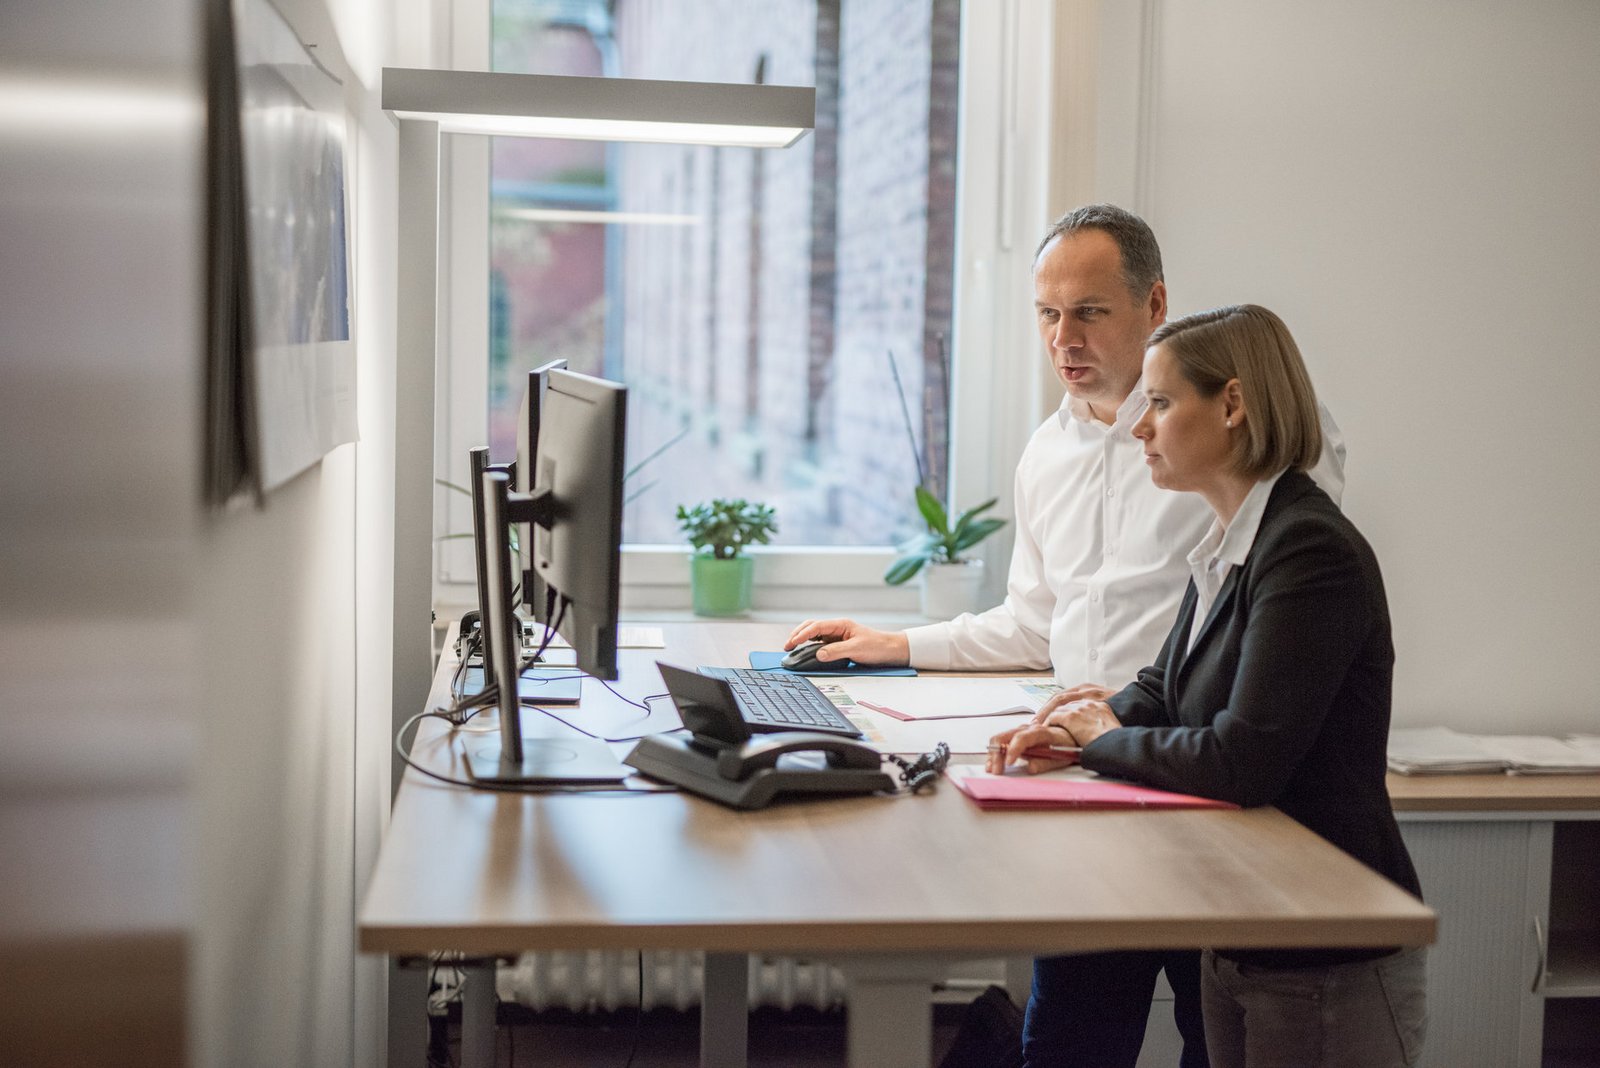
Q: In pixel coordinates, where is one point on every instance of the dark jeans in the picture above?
(1088, 1010)
(1367, 1014)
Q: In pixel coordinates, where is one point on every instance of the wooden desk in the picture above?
(890, 888)
(1495, 793)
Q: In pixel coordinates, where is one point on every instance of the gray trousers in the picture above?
(1370, 1014)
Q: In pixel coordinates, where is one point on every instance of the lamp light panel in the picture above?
(601, 109)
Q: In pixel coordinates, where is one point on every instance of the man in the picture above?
(1097, 572)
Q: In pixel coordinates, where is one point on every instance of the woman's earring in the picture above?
(1227, 422)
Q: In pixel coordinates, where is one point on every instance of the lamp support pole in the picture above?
(416, 349)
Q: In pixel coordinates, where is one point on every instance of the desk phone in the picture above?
(726, 762)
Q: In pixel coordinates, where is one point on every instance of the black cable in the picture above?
(433, 973)
(464, 706)
(468, 646)
(489, 695)
(629, 700)
(549, 631)
(511, 1037)
(924, 771)
(638, 1014)
(427, 1016)
(648, 712)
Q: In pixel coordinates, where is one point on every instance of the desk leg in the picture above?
(890, 1010)
(408, 1014)
(725, 1011)
(477, 1015)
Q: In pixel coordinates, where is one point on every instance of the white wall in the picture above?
(100, 123)
(296, 621)
(194, 708)
(1413, 188)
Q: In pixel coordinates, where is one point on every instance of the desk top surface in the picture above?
(1496, 793)
(483, 872)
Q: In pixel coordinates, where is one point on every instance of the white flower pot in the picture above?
(951, 589)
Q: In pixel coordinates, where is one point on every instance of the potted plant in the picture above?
(719, 573)
(950, 584)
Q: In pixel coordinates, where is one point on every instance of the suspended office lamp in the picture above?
(433, 102)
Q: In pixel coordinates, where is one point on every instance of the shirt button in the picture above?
(1111, 491)
(1094, 654)
(1095, 597)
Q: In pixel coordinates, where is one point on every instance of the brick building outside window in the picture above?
(750, 299)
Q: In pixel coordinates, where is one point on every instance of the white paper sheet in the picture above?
(942, 697)
(889, 735)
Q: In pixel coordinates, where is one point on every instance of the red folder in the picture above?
(1016, 791)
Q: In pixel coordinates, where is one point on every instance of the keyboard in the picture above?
(772, 702)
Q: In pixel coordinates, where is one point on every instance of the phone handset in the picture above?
(738, 763)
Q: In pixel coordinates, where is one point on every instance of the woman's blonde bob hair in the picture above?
(1249, 343)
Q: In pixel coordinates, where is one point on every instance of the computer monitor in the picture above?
(511, 759)
(537, 684)
(477, 464)
(576, 512)
(535, 595)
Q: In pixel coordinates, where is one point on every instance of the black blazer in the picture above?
(1285, 698)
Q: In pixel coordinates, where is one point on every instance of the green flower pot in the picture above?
(721, 587)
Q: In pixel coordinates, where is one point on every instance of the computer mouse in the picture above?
(803, 657)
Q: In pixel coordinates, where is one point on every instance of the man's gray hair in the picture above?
(1141, 256)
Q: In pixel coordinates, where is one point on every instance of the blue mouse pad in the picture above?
(771, 662)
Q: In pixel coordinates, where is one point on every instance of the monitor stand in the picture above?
(544, 760)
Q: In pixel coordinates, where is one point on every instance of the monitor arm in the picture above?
(538, 507)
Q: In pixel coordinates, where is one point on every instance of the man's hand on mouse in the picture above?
(849, 640)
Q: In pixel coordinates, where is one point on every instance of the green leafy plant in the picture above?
(942, 543)
(725, 527)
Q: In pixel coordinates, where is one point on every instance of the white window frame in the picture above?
(1004, 160)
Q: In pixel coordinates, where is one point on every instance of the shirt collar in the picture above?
(1231, 545)
(1130, 410)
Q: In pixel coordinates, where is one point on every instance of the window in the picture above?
(751, 300)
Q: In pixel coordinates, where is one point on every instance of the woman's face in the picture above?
(1187, 438)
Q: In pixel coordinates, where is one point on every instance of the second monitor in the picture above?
(574, 512)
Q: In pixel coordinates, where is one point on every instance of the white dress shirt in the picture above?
(1099, 564)
(1223, 549)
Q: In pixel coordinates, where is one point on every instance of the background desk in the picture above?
(1512, 864)
(889, 888)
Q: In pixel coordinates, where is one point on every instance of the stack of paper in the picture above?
(1575, 754)
(1442, 751)
(1439, 751)
(950, 698)
(914, 715)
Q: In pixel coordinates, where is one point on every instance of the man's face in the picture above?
(1093, 328)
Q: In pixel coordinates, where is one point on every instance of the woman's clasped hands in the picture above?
(1066, 723)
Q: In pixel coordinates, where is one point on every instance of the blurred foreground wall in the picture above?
(194, 705)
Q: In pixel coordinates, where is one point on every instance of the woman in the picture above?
(1273, 687)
